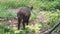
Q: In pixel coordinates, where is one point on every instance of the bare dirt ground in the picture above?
(40, 18)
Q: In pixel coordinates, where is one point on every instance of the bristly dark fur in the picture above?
(24, 14)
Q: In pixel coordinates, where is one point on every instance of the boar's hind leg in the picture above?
(19, 21)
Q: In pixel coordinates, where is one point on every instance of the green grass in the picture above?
(38, 4)
(6, 14)
(34, 14)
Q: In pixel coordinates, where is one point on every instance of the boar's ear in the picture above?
(31, 7)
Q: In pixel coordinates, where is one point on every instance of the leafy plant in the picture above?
(53, 18)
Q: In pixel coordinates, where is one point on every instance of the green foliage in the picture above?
(40, 4)
(13, 3)
(4, 29)
(34, 15)
(45, 4)
(5, 13)
(53, 18)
